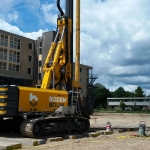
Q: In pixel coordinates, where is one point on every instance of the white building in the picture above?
(142, 102)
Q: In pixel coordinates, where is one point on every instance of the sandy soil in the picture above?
(117, 141)
(119, 119)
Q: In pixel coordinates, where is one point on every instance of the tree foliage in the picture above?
(101, 95)
(120, 92)
(139, 92)
(122, 105)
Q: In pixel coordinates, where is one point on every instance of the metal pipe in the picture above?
(77, 63)
(53, 80)
(62, 36)
(69, 12)
(56, 37)
(59, 8)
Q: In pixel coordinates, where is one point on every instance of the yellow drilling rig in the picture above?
(57, 106)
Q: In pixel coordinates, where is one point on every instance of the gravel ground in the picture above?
(117, 141)
(119, 119)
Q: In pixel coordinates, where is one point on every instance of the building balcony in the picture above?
(91, 79)
(129, 103)
(93, 76)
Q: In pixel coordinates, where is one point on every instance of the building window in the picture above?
(2, 65)
(3, 54)
(14, 43)
(80, 80)
(30, 45)
(29, 71)
(14, 56)
(40, 63)
(29, 58)
(39, 76)
(3, 39)
(13, 67)
(40, 50)
(80, 69)
(40, 45)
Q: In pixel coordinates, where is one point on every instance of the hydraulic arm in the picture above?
(57, 67)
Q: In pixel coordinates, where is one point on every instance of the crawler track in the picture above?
(53, 126)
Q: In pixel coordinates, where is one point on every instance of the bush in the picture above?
(122, 105)
(118, 109)
(136, 108)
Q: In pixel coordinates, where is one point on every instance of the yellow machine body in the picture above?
(41, 100)
(57, 107)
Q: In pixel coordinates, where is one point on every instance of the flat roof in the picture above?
(13, 34)
(129, 98)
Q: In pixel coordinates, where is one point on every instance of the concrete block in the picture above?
(100, 132)
(8, 145)
(119, 130)
(97, 134)
(93, 134)
(41, 141)
(17, 146)
(54, 139)
(78, 136)
(23, 141)
(28, 142)
(108, 132)
(131, 129)
(70, 136)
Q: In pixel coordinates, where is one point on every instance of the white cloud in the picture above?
(115, 37)
(13, 16)
(49, 11)
(7, 5)
(14, 29)
(141, 36)
(130, 88)
(10, 9)
(32, 4)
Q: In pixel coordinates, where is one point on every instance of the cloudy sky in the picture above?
(115, 35)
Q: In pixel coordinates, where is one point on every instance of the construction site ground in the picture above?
(124, 136)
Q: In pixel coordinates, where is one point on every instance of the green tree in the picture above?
(101, 96)
(122, 105)
(120, 92)
(139, 92)
(129, 94)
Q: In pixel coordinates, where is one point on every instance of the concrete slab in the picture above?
(108, 132)
(23, 141)
(92, 134)
(54, 139)
(41, 141)
(6, 147)
(9, 144)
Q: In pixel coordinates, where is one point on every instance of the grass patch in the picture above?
(121, 111)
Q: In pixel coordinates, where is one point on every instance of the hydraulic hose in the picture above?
(59, 8)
